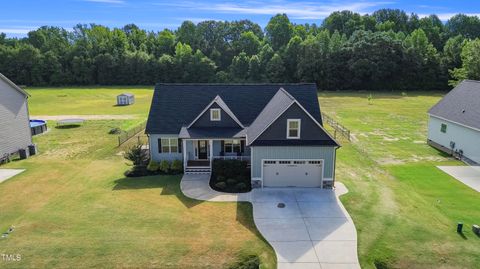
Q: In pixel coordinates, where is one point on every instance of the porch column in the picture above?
(184, 150)
(211, 151)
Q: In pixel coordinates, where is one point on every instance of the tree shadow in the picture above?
(245, 217)
(169, 185)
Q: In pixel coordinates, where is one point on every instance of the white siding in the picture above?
(465, 139)
(14, 120)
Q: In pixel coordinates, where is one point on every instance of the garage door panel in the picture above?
(292, 173)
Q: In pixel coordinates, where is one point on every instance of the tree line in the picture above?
(387, 50)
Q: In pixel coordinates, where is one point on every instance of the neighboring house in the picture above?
(15, 131)
(125, 99)
(454, 124)
(277, 128)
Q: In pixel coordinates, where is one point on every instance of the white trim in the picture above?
(263, 164)
(8, 81)
(184, 151)
(299, 121)
(463, 125)
(212, 110)
(169, 144)
(218, 100)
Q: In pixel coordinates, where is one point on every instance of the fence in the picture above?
(126, 135)
(337, 127)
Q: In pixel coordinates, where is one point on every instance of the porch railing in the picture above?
(234, 157)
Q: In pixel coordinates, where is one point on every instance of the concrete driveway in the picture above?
(313, 230)
(469, 175)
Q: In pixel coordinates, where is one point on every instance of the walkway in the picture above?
(468, 175)
(312, 230)
(8, 173)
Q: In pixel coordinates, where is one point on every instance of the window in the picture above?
(443, 129)
(215, 114)
(293, 129)
(232, 146)
(168, 145)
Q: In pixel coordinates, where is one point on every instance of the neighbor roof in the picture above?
(4, 78)
(460, 105)
(177, 105)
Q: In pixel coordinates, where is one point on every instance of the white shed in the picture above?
(454, 122)
(125, 99)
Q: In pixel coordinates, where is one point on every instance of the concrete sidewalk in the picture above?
(8, 173)
(313, 230)
(468, 175)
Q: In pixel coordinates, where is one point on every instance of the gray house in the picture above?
(276, 127)
(454, 122)
(15, 131)
(125, 99)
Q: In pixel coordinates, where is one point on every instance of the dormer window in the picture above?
(215, 114)
(293, 128)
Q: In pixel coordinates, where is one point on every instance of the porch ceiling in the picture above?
(211, 132)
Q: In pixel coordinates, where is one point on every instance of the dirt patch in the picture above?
(419, 142)
(390, 139)
(86, 117)
(390, 161)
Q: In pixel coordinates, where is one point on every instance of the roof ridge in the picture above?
(233, 84)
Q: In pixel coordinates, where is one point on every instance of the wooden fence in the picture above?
(337, 127)
(126, 135)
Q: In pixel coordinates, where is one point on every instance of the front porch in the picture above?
(198, 154)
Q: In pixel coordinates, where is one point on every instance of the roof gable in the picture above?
(217, 102)
(460, 105)
(177, 105)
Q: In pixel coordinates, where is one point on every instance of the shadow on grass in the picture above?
(169, 185)
(69, 126)
(462, 235)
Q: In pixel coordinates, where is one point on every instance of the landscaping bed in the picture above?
(232, 176)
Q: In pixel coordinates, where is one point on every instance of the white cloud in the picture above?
(296, 10)
(447, 16)
(107, 1)
(22, 31)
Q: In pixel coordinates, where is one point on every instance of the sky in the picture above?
(21, 16)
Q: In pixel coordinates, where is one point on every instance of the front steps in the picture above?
(198, 170)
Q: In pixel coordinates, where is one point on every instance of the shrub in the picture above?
(241, 186)
(115, 130)
(153, 166)
(247, 262)
(231, 181)
(136, 155)
(164, 166)
(177, 166)
(221, 185)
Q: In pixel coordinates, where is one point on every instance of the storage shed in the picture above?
(125, 99)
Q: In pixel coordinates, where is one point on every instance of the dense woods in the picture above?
(386, 50)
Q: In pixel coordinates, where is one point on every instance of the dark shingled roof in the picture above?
(211, 132)
(461, 105)
(177, 105)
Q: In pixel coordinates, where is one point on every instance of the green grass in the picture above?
(73, 208)
(404, 208)
(88, 101)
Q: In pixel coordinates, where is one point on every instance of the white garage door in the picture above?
(292, 173)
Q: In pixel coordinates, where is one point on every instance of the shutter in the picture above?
(242, 146)
(222, 147)
(179, 145)
(159, 145)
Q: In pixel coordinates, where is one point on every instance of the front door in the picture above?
(202, 149)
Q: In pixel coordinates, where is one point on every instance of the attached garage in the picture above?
(292, 173)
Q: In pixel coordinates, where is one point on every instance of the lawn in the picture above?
(88, 101)
(74, 208)
(404, 208)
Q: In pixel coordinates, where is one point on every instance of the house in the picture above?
(277, 128)
(454, 122)
(15, 134)
(125, 99)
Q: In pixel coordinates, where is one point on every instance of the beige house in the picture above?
(15, 131)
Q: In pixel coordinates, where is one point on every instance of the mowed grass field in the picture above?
(404, 208)
(73, 207)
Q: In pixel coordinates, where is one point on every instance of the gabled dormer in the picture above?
(216, 114)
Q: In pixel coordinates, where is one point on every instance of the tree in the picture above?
(248, 43)
(279, 31)
(470, 63)
(398, 18)
(460, 24)
(239, 67)
(275, 69)
(452, 52)
(345, 22)
(255, 72)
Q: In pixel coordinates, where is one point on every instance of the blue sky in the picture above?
(21, 16)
